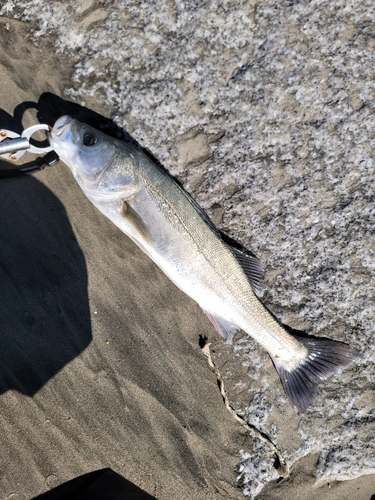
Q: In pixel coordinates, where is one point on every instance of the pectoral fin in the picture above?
(136, 221)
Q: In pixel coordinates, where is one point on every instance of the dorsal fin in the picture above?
(252, 267)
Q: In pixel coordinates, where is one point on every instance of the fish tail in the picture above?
(324, 358)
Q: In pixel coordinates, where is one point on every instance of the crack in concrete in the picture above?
(281, 465)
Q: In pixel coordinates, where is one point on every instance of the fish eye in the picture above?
(89, 139)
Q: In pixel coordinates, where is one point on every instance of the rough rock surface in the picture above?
(264, 111)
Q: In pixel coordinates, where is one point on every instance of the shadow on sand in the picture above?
(44, 310)
(98, 485)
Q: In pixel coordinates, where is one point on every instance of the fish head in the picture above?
(104, 167)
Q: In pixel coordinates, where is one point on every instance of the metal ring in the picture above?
(29, 132)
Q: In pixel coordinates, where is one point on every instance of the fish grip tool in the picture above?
(13, 146)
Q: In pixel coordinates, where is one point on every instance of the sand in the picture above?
(101, 359)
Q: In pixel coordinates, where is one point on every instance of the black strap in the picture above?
(40, 163)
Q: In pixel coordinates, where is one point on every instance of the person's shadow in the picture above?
(44, 308)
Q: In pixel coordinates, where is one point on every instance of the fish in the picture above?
(145, 202)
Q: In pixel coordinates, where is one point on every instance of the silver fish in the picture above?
(168, 225)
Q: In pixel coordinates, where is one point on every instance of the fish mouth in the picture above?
(55, 134)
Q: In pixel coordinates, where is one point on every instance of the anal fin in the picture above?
(225, 328)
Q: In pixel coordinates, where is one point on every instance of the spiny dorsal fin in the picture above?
(224, 327)
(136, 221)
(252, 267)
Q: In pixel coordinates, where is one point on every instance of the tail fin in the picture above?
(324, 358)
